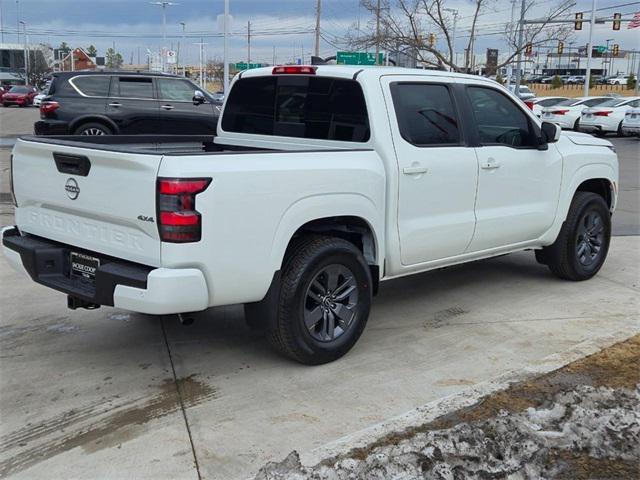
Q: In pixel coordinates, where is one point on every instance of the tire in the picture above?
(576, 125)
(314, 266)
(620, 133)
(92, 128)
(574, 255)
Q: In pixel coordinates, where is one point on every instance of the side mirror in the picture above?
(550, 132)
(198, 97)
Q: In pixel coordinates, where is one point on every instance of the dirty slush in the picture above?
(579, 422)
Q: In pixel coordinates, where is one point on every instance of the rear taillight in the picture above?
(178, 219)
(529, 104)
(559, 112)
(603, 113)
(48, 106)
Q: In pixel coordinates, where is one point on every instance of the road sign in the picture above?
(358, 58)
(600, 48)
(171, 56)
(244, 66)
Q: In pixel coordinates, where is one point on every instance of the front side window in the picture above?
(93, 86)
(133, 87)
(298, 106)
(176, 90)
(499, 120)
(425, 113)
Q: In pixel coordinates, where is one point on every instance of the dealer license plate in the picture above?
(84, 265)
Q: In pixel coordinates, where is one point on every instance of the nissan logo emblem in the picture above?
(72, 188)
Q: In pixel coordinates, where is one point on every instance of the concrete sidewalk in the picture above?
(108, 394)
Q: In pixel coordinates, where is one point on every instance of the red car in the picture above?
(20, 95)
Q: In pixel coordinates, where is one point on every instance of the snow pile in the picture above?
(599, 423)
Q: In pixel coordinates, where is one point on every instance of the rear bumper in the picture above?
(628, 130)
(118, 283)
(51, 127)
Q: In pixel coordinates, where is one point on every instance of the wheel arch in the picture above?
(106, 121)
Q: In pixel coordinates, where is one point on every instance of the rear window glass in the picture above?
(133, 87)
(91, 86)
(298, 106)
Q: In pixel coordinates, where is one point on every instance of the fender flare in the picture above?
(94, 118)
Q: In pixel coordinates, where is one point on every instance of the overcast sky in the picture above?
(135, 25)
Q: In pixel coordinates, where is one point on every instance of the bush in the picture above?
(592, 81)
(631, 82)
(556, 82)
(499, 78)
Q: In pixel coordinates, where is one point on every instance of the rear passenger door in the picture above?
(179, 114)
(437, 171)
(518, 184)
(132, 105)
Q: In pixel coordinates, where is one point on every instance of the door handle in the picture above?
(115, 104)
(167, 107)
(414, 170)
(490, 164)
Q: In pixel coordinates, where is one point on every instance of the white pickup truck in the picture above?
(321, 182)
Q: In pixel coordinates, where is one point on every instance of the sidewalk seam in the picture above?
(182, 407)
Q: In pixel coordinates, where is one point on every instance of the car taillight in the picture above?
(559, 112)
(49, 106)
(178, 219)
(294, 70)
(604, 113)
(529, 104)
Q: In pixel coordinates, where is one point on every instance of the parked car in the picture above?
(536, 78)
(524, 93)
(631, 122)
(538, 103)
(106, 103)
(2, 92)
(37, 100)
(576, 80)
(618, 80)
(607, 117)
(604, 79)
(566, 114)
(547, 79)
(299, 209)
(20, 95)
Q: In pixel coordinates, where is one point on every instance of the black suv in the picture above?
(107, 103)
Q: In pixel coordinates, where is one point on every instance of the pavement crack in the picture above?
(180, 398)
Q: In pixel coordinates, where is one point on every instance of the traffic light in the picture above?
(560, 48)
(617, 21)
(528, 49)
(616, 49)
(578, 23)
(432, 40)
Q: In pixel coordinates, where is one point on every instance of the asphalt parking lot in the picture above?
(108, 394)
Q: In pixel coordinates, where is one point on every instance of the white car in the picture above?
(618, 80)
(607, 117)
(298, 209)
(539, 103)
(566, 114)
(631, 122)
(37, 100)
(524, 93)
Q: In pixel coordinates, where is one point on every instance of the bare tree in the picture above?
(412, 25)
(215, 71)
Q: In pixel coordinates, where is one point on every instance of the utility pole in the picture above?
(184, 71)
(248, 44)
(18, 19)
(523, 7)
(164, 6)
(26, 54)
(318, 12)
(592, 23)
(1, 25)
(378, 34)
(608, 70)
(200, 46)
(510, 65)
(225, 81)
(274, 55)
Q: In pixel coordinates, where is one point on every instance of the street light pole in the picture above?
(225, 82)
(318, 13)
(184, 45)
(523, 8)
(26, 54)
(164, 6)
(592, 23)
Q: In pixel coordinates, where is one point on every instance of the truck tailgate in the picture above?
(100, 200)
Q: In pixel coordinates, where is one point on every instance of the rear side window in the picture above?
(425, 112)
(133, 87)
(92, 86)
(298, 106)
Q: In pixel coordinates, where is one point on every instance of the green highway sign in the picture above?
(245, 66)
(600, 48)
(358, 58)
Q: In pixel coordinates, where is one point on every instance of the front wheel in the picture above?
(324, 300)
(583, 242)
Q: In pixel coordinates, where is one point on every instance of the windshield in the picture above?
(19, 90)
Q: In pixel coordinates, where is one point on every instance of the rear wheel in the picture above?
(576, 125)
(93, 129)
(324, 300)
(620, 132)
(583, 242)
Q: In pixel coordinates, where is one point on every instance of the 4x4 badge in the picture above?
(72, 188)
(145, 218)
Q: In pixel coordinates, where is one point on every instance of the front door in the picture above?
(132, 105)
(178, 112)
(437, 172)
(518, 184)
